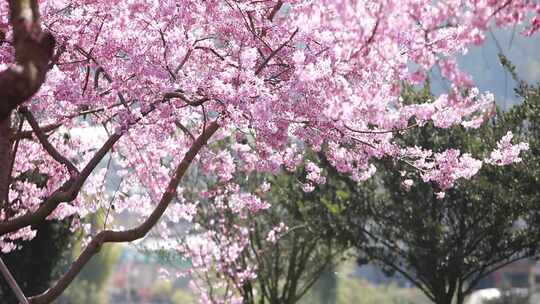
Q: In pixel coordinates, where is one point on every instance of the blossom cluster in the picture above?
(278, 77)
(506, 152)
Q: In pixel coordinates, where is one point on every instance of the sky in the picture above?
(483, 64)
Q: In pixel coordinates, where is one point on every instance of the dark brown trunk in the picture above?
(444, 299)
(5, 160)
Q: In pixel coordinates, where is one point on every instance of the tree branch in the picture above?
(274, 53)
(111, 236)
(70, 189)
(275, 9)
(12, 283)
(33, 51)
(46, 144)
(29, 133)
(67, 192)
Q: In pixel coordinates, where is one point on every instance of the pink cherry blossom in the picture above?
(407, 184)
(155, 93)
(506, 152)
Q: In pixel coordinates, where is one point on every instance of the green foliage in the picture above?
(289, 268)
(32, 269)
(446, 246)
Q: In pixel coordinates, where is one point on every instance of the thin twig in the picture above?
(381, 131)
(111, 203)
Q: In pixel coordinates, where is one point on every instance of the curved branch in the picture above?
(33, 51)
(111, 236)
(46, 144)
(70, 189)
(67, 192)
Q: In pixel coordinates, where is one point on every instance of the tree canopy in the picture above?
(150, 87)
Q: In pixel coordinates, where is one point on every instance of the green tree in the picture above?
(446, 246)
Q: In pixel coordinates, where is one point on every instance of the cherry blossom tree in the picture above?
(232, 86)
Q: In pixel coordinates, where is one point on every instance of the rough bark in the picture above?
(5, 151)
(33, 51)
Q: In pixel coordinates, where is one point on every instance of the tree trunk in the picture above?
(460, 297)
(443, 299)
(5, 160)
